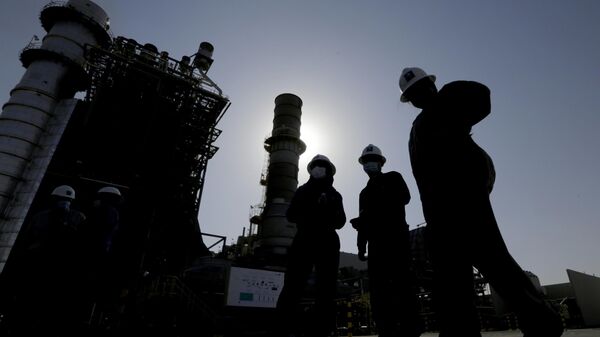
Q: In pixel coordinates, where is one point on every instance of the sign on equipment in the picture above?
(254, 287)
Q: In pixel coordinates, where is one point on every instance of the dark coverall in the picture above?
(51, 287)
(101, 236)
(317, 211)
(382, 223)
(455, 177)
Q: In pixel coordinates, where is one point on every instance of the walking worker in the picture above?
(455, 177)
(381, 223)
(317, 211)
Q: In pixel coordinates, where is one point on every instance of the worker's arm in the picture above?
(400, 194)
(338, 216)
(295, 213)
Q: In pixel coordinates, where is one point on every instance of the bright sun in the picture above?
(317, 142)
(312, 138)
(317, 134)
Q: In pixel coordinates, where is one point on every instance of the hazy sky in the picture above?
(541, 60)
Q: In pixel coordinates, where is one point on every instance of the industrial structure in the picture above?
(275, 233)
(146, 126)
(36, 114)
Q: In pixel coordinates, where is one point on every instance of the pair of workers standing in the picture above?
(64, 262)
(455, 178)
(318, 212)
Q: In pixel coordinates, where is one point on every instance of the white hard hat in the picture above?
(411, 76)
(320, 158)
(110, 189)
(64, 191)
(370, 151)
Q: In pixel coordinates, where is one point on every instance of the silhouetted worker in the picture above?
(381, 223)
(102, 233)
(51, 287)
(317, 211)
(104, 219)
(455, 177)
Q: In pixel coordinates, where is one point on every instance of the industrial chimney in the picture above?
(203, 59)
(40, 105)
(284, 148)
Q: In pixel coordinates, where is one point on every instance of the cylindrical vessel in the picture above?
(284, 147)
(203, 59)
(30, 120)
(54, 72)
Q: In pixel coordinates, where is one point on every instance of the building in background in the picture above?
(578, 300)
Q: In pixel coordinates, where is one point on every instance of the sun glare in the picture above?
(312, 138)
(317, 140)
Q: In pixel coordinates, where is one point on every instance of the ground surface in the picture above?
(516, 333)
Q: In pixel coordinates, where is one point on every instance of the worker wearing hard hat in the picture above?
(102, 238)
(59, 223)
(104, 218)
(318, 211)
(48, 268)
(455, 177)
(382, 224)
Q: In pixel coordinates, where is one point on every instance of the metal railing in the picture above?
(220, 241)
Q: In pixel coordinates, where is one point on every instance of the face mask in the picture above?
(63, 204)
(371, 167)
(318, 172)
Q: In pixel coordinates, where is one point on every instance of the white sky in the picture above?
(343, 58)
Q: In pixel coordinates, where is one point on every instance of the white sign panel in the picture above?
(254, 287)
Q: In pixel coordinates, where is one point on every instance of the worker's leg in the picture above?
(403, 279)
(392, 286)
(453, 277)
(326, 268)
(379, 267)
(299, 267)
(493, 260)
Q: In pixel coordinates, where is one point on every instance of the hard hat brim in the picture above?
(362, 161)
(324, 160)
(403, 98)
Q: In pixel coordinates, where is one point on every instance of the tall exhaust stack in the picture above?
(40, 105)
(284, 148)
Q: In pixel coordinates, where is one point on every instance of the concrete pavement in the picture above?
(517, 333)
